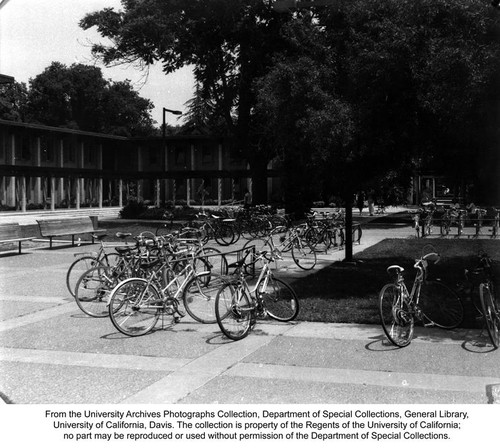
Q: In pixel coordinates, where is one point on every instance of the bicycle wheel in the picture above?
(134, 307)
(445, 228)
(357, 233)
(224, 235)
(92, 291)
(164, 229)
(304, 255)
(213, 260)
(199, 297)
(397, 320)
(234, 311)
(279, 299)
(491, 312)
(440, 304)
(76, 270)
(252, 264)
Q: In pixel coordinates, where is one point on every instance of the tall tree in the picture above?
(230, 43)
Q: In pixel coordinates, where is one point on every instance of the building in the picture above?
(48, 167)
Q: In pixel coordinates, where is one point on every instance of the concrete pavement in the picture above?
(52, 353)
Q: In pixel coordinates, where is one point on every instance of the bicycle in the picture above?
(496, 223)
(303, 254)
(453, 216)
(94, 285)
(135, 304)
(489, 305)
(237, 305)
(430, 301)
(89, 260)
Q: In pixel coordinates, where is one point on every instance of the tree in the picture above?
(13, 97)
(79, 97)
(230, 44)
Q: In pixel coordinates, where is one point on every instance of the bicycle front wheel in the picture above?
(93, 289)
(199, 297)
(278, 299)
(304, 255)
(441, 305)
(134, 307)
(397, 319)
(234, 311)
(491, 312)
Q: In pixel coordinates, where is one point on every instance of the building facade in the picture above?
(48, 167)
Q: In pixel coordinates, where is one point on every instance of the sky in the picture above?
(34, 33)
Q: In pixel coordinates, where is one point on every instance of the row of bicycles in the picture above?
(165, 277)
(470, 221)
(433, 303)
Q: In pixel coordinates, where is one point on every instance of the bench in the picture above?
(50, 228)
(12, 233)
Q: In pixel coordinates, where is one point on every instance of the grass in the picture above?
(349, 292)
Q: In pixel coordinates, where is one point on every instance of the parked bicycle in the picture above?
(482, 280)
(238, 305)
(303, 254)
(136, 304)
(429, 301)
(87, 260)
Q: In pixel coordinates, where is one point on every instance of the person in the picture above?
(371, 202)
(361, 201)
(247, 199)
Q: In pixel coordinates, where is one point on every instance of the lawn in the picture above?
(349, 292)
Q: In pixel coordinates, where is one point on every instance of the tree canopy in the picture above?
(361, 92)
(78, 97)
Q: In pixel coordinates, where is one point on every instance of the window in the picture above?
(207, 155)
(47, 149)
(180, 156)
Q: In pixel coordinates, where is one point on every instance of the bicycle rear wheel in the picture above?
(440, 304)
(397, 319)
(93, 289)
(134, 307)
(76, 270)
(234, 311)
(304, 255)
(279, 299)
(491, 312)
(199, 297)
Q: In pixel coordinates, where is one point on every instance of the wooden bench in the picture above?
(12, 233)
(50, 228)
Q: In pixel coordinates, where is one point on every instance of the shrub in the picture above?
(134, 209)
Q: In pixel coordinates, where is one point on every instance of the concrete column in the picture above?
(78, 192)
(53, 193)
(188, 191)
(99, 192)
(23, 193)
(37, 181)
(120, 193)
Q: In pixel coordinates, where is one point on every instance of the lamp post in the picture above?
(174, 112)
(164, 140)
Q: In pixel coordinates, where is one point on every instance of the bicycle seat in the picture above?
(99, 237)
(396, 268)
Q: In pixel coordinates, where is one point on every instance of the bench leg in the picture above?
(50, 242)
(73, 240)
(19, 246)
